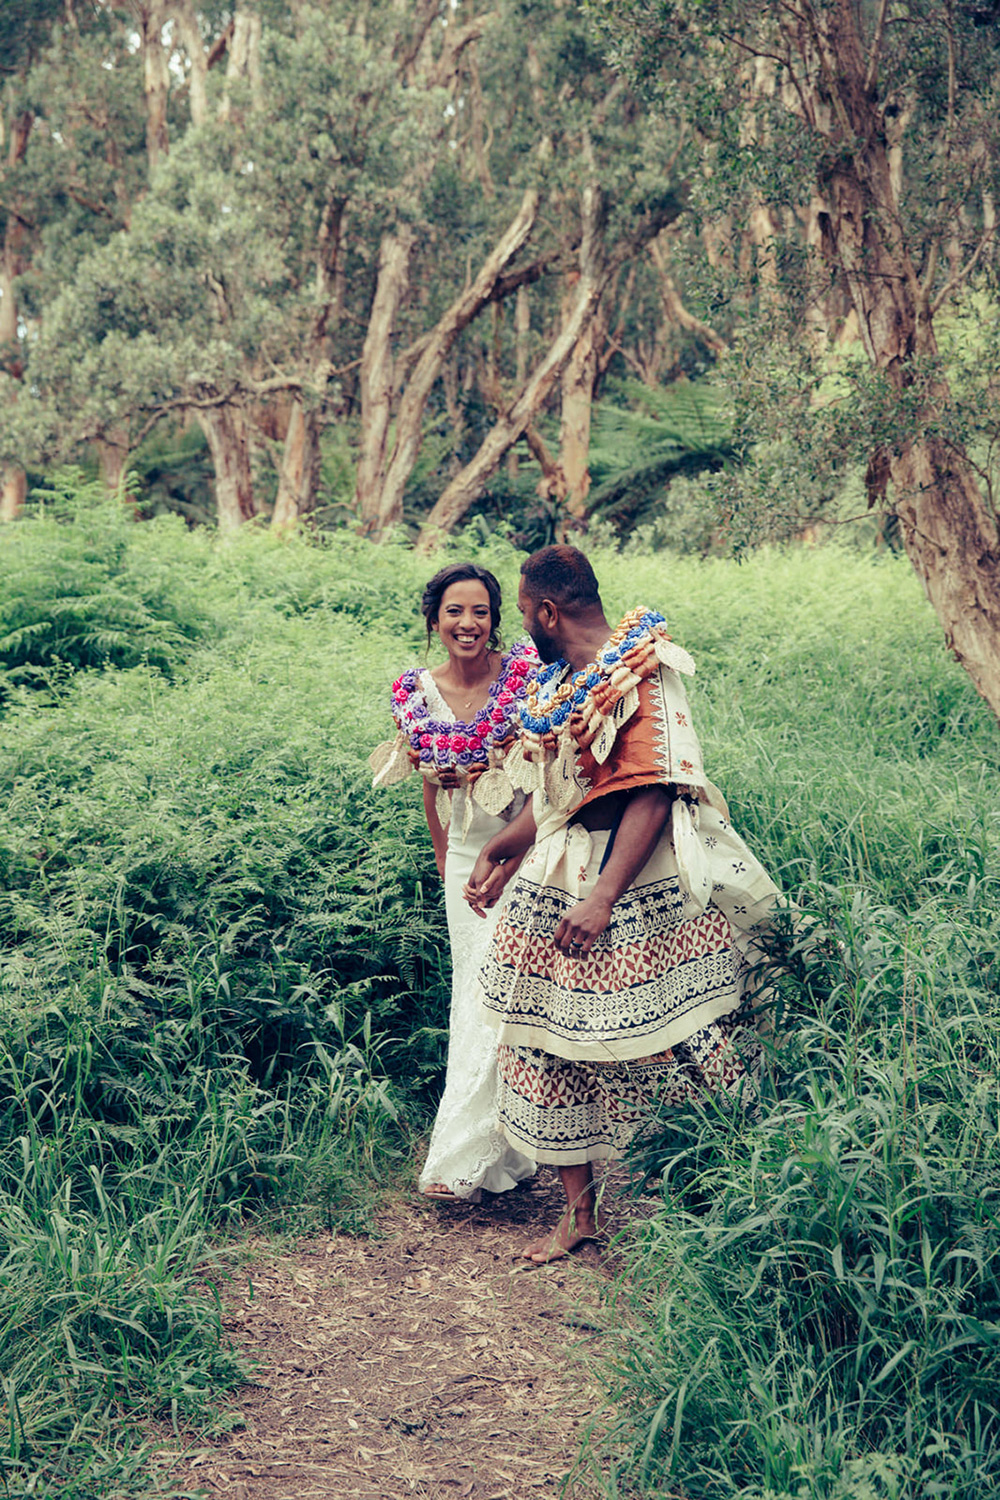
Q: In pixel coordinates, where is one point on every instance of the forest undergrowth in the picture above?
(224, 990)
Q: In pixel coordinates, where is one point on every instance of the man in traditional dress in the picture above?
(618, 972)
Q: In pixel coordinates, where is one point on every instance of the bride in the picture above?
(455, 724)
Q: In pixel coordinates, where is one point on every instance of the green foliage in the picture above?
(224, 980)
(76, 594)
(636, 453)
(816, 1303)
(811, 1312)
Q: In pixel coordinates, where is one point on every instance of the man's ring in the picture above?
(576, 945)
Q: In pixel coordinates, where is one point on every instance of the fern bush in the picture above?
(78, 590)
(224, 984)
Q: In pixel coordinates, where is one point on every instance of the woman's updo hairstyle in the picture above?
(430, 604)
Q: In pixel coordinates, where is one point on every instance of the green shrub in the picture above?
(80, 587)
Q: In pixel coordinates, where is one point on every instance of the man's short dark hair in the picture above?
(563, 575)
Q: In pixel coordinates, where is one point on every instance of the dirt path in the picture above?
(427, 1362)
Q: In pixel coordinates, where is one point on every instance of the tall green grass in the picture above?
(224, 984)
(813, 1313)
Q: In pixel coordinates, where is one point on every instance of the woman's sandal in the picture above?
(440, 1193)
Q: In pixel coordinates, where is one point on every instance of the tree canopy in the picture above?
(382, 258)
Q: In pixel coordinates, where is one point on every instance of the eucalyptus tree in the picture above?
(884, 117)
(221, 296)
(562, 129)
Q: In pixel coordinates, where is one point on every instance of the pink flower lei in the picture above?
(464, 747)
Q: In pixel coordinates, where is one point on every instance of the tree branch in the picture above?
(876, 47)
(960, 277)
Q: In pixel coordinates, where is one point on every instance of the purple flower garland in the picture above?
(461, 746)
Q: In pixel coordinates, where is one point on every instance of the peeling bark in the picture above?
(225, 431)
(949, 533)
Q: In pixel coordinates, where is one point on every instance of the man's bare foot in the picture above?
(576, 1227)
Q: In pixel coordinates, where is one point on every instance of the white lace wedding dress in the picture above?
(468, 1152)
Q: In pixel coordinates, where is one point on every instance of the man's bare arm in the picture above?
(639, 831)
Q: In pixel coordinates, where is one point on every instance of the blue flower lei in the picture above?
(607, 659)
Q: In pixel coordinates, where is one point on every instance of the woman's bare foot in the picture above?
(576, 1227)
(439, 1190)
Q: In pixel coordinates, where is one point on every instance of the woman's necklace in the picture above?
(477, 692)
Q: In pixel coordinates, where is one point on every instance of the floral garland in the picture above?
(463, 748)
(633, 633)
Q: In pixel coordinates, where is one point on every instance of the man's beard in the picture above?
(548, 648)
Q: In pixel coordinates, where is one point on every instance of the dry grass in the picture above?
(428, 1362)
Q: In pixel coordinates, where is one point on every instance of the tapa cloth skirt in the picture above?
(566, 1112)
(662, 970)
(658, 1013)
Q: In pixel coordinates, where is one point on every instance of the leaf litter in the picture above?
(428, 1362)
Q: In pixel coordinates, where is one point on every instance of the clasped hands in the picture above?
(575, 935)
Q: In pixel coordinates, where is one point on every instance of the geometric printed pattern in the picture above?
(565, 1112)
(653, 974)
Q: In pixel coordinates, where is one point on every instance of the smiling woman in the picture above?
(455, 725)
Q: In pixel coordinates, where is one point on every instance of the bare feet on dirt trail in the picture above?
(576, 1227)
(429, 1362)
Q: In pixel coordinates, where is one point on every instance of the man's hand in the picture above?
(579, 929)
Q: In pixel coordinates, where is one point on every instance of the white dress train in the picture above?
(468, 1151)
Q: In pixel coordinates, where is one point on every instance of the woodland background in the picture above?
(293, 295)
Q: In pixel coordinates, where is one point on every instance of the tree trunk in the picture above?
(156, 77)
(389, 507)
(112, 456)
(948, 531)
(243, 60)
(13, 492)
(299, 469)
(578, 380)
(467, 486)
(300, 461)
(13, 480)
(190, 33)
(225, 432)
(377, 379)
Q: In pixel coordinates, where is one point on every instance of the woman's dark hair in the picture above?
(430, 604)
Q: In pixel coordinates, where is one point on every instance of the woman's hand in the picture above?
(484, 892)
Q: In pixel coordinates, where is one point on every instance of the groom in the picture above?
(618, 970)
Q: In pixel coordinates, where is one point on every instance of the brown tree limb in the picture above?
(467, 485)
(962, 276)
(876, 46)
(387, 509)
